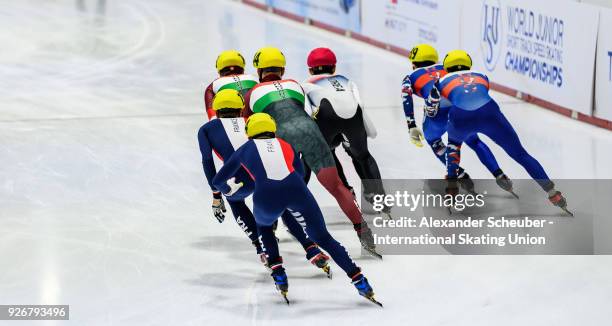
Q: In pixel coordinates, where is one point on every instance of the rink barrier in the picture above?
(592, 120)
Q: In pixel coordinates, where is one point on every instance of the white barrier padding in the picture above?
(405, 23)
(603, 88)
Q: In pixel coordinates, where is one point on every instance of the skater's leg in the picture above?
(340, 169)
(487, 158)
(355, 132)
(460, 126)
(366, 162)
(329, 178)
(267, 209)
(433, 129)
(273, 258)
(245, 219)
(316, 153)
(267, 212)
(438, 148)
(347, 149)
(329, 125)
(297, 227)
(293, 221)
(484, 154)
(499, 129)
(316, 230)
(270, 245)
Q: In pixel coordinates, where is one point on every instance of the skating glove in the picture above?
(218, 206)
(416, 136)
(234, 187)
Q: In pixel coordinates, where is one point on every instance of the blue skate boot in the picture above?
(280, 279)
(363, 288)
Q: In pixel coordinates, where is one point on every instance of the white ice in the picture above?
(104, 206)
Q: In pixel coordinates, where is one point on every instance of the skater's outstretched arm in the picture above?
(416, 135)
(408, 102)
(208, 163)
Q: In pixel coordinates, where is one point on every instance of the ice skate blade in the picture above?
(284, 294)
(373, 253)
(374, 301)
(567, 211)
(327, 270)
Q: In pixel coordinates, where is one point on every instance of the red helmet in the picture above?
(321, 57)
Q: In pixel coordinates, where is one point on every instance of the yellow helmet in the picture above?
(423, 53)
(457, 58)
(228, 99)
(228, 59)
(269, 57)
(259, 123)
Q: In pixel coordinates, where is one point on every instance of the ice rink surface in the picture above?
(104, 206)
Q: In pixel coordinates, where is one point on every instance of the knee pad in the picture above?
(438, 147)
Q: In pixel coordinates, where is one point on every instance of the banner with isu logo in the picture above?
(542, 48)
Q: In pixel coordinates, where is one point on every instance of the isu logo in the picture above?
(491, 32)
